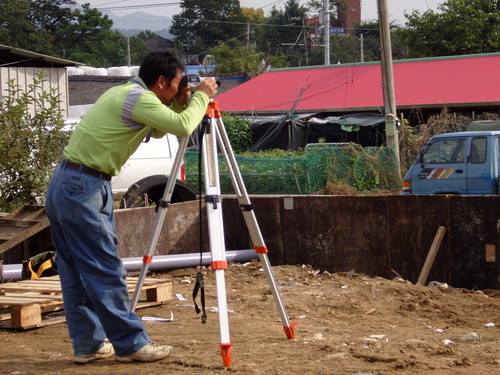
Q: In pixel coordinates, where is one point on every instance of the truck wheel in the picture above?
(154, 187)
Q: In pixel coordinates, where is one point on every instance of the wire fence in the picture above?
(365, 169)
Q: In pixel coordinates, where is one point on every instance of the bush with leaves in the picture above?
(239, 131)
(31, 142)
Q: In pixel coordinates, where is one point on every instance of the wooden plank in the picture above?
(26, 211)
(18, 223)
(55, 297)
(9, 301)
(23, 235)
(40, 212)
(4, 237)
(431, 255)
(15, 287)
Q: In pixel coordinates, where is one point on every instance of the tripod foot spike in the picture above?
(225, 351)
(289, 331)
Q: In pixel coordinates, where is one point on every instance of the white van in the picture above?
(143, 178)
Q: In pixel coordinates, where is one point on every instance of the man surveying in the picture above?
(80, 205)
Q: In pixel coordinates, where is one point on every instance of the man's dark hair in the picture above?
(161, 63)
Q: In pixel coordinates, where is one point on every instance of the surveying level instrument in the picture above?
(215, 135)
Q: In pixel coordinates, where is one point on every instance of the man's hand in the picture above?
(208, 86)
(183, 95)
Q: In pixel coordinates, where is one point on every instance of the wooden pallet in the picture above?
(21, 224)
(37, 303)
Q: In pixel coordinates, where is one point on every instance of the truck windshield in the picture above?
(445, 151)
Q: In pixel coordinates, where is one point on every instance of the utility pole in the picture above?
(248, 34)
(326, 30)
(128, 52)
(391, 133)
(361, 48)
(305, 40)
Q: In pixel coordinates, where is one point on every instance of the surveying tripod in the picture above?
(215, 134)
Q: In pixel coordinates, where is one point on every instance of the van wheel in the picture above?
(153, 188)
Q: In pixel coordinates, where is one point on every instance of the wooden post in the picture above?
(431, 256)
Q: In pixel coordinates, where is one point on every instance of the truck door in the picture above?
(480, 179)
(442, 168)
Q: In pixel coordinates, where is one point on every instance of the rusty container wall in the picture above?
(361, 235)
(412, 225)
(179, 234)
(376, 235)
(307, 237)
(268, 216)
(370, 234)
(475, 242)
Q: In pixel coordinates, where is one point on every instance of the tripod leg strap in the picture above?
(200, 286)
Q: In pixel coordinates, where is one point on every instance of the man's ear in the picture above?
(164, 82)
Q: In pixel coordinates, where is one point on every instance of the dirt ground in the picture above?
(347, 324)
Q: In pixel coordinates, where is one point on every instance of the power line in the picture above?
(112, 2)
(143, 6)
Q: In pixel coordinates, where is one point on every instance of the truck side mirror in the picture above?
(421, 157)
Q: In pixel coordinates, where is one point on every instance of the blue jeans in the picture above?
(95, 295)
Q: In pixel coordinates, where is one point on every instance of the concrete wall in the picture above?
(370, 234)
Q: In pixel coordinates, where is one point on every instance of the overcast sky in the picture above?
(171, 7)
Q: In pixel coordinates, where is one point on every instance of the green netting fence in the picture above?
(366, 169)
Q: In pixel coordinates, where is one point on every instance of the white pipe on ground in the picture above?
(12, 272)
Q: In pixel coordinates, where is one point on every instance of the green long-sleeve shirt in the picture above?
(121, 118)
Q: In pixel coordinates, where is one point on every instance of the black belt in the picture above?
(84, 169)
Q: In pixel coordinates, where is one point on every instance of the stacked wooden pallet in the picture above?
(37, 303)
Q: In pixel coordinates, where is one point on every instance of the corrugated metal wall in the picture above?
(24, 77)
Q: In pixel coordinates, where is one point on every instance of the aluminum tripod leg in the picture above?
(216, 135)
(159, 219)
(216, 233)
(250, 219)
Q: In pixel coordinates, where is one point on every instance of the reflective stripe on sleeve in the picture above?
(128, 108)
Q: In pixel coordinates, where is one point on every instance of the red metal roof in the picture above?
(470, 80)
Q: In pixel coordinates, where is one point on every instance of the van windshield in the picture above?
(445, 151)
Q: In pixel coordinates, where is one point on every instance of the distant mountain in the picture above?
(134, 23)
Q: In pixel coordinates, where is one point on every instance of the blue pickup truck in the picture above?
(458, 163)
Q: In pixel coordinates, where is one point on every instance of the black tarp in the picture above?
(296, 131)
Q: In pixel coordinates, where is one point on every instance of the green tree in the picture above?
(284, 27)
(60, 28)
(460, 27)
(237, 58)
(139, 47)
(31, 24)
(239, 132)
(371, 41)
(90, 40)
(255, 20)
(30, 144)
(204, 24)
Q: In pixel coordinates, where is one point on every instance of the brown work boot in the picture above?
(148, 353)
